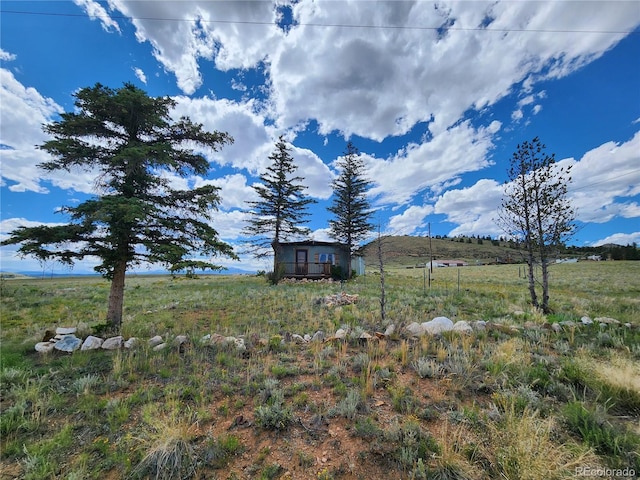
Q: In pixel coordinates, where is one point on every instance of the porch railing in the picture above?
(308, 269)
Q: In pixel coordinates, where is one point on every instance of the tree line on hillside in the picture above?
(606, 252)
(132, 145)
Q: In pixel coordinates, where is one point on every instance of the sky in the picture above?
(435, 95)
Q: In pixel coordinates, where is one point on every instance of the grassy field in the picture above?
(528, 404)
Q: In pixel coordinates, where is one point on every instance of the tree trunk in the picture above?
(116, 297)
(277, 255)
(532, 278)
(545, 287)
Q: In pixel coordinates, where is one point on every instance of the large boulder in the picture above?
(437, 326)
(68, 343)
(415, 329)
(91, 343)
(462, 326)
(113, 343)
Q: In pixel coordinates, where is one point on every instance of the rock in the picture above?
(215, 339)
(501, 328)
(390, 330)
(68, 343)
(628, 325)
(479, 325)
(132, 342)
(462, 327)
(44, 347)
(415, 329)
(438, 325)
(299, 339)
(155, 341)
(158, 347)
(337, 300)
(518, 313)
(66, 330)
(556, 327)
(91, 343)
(586, 320)
(113, 343)
(238, 342)
(340, 334)
(365, 336)
(607, 320)
(318, 336)
(567, 324)
(180, 339)
(307, 337)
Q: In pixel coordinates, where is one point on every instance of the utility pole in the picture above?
(430, 251)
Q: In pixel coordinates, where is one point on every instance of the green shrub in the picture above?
(402, 399)
(412, 444)
(274, 415)
(367, 428)
(218, 451)
(349, 406)
(428, 368)
(597, 432)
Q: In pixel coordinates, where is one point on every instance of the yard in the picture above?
(527, 402)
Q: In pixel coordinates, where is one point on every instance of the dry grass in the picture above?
(486, 405)
(521, 447)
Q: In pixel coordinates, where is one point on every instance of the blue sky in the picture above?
(436, 96)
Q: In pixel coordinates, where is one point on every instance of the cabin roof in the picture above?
(312, 243)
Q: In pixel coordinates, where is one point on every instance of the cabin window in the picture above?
(327, 258)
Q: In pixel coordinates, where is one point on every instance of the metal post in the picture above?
(430, 251)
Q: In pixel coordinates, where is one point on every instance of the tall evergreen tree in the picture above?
(282, 207)
(129, 140)
(350, 205)
(536, 211)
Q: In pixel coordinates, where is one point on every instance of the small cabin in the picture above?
(313, 259)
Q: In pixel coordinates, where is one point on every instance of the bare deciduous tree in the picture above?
(537, 212)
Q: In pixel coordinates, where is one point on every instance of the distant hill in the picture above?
(410, 251)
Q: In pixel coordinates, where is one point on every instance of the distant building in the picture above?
(594, 258)
(447, 263)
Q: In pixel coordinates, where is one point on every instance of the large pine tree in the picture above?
(282, 209)
(130, 141)
(350, 204)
